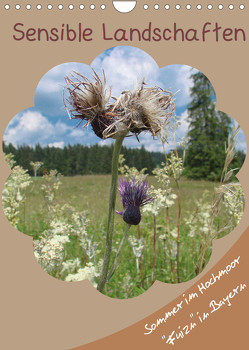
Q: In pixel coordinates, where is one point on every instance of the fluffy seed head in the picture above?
(143, 109)
(88, 100)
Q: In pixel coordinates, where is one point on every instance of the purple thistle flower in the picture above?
(134, 194)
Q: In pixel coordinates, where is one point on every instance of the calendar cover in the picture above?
(124, 220)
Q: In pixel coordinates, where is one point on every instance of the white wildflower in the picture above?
(175, 166)
(36, 166)
(137, 248)
(89, 246)
(70, 266)
(159, 197)
(131, 172)
(90, 272)
(50, 186)
(174, 233)
(60, 226)
(234, 200)
(14, 190)
(49, 251)
(199, 221)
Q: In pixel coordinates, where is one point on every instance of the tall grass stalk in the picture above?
(154, 251)
(225, 177)
(178, 233)
(170, 254)
(168, 223)
(140, 259)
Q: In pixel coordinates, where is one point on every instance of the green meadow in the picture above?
(90, 194)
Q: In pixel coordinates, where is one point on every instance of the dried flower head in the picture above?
(88, 102)
(134, 195)
(144, 109)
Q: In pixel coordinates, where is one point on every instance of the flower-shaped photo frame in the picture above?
(123, 172)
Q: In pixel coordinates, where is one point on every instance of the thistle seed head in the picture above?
(144, 109)
(88, 100)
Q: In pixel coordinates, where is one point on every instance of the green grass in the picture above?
(91, 193)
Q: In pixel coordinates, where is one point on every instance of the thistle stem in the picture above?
(111, 213)
(115, 262)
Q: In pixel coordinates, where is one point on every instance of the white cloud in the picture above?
(54, 80)
(184, 81)
(49, 86)
(82, 135)
(58, 144)
(77, 133)
(61, 128)
(27, 127)
(146, 140)
(123, 66)
(33, 127)
(49, 91)
(106, 142)
(177, 78)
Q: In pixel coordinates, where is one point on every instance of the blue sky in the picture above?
(47, 123)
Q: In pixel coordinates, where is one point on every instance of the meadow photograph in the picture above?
(123, 173)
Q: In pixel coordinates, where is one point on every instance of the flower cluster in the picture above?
(49, 251)
(131, 172)
(79, 223)
(70, 266)
(36, 166)
(137, 248)
(89, 246)
(50, 186)
(175, 166)
(90, 272)
(64, 222)
(198, 222)
(162, 175)
(158, 203)
(169, 245)
(234, 200)
(161, 199)
(13, 194)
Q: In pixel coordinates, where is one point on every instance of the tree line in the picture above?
(81, 160)
(85, 160)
